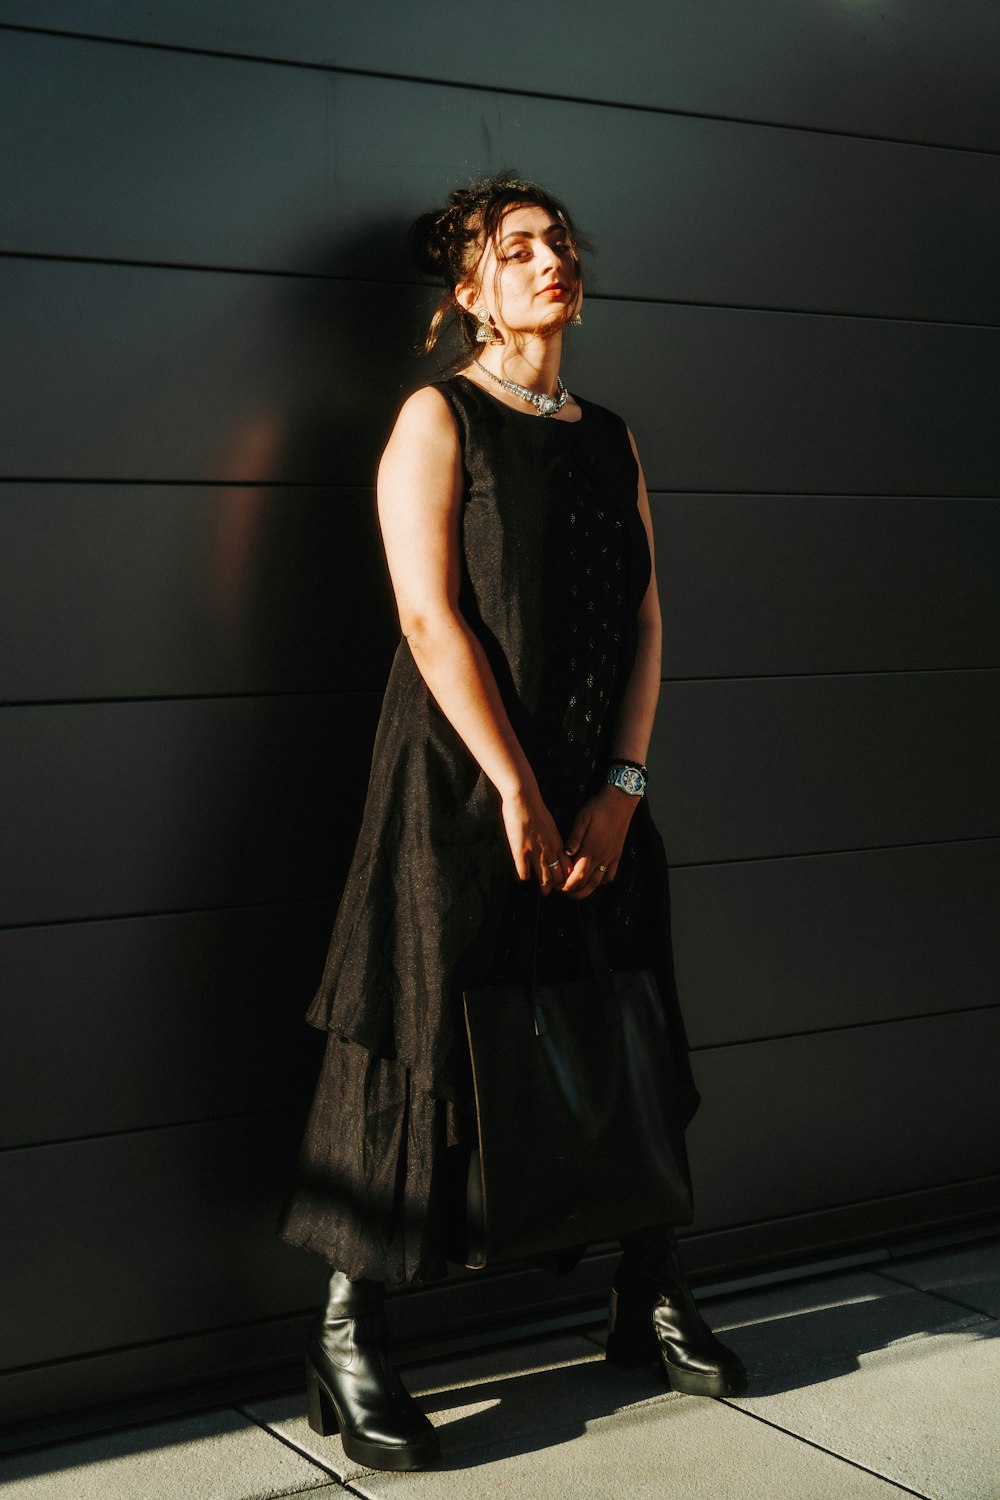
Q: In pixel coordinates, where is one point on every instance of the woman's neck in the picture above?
(533, 364)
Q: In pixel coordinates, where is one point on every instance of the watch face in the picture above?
(627, 779)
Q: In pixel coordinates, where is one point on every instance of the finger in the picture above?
(596, 875)
(585, 877)
(580, 868)
(612, 871)
(577, 834)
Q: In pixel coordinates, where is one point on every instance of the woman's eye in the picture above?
(562, 247)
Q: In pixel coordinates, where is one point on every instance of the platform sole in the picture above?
(716, 1383)
(325, 1420)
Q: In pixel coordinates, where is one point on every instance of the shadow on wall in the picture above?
(296, 591)
(342, 355)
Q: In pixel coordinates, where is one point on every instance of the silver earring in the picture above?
(576, 321)
(486, 333)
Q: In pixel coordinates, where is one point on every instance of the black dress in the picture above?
(555, 564)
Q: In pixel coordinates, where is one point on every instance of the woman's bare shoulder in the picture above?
(424, 429)
(426, 412)
(424, 449)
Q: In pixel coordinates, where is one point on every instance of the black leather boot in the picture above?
(352, 1384)
(655, 1319)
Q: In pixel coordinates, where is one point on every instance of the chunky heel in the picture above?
(654, 1318)
(320, 1410)
(352, 1386)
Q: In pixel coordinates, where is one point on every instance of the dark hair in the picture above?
(447, 243)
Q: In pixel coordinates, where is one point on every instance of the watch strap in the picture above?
(627, 777)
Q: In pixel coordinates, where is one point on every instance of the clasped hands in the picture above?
(579, 864)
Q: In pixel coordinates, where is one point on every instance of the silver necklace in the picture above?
(547, 406)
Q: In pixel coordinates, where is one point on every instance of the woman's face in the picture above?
(529, 279)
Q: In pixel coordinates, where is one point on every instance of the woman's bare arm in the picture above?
(598, 833)
(419, 503)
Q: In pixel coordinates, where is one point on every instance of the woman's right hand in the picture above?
(535, 842)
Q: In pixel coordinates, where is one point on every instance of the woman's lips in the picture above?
(549, 291)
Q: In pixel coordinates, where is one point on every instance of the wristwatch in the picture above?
(628, 778)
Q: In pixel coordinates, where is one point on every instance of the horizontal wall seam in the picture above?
(13, 1371)
(799, 494)
(853, 1203)
(322, 897)
(754, 859)
(204, 484)
(278, 693)
(592, 296)
(275, 904)
(278, 1112)
(43, 703)
(784, 1036)
(369, 489)
(283, 1110)
(498, 88)
(852, 672)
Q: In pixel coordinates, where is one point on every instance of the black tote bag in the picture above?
(579, 1133)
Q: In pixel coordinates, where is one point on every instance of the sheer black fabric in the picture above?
(555, 563)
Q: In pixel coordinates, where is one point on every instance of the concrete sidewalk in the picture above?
(866, 1384)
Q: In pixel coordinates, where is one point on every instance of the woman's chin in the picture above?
(543, 328)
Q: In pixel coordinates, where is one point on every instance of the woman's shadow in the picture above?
(531, 1397)
(814, 1331)
(800, 1334)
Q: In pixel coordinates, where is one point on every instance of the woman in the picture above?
(509, 758)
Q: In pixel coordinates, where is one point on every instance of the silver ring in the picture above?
(602, 868)
(551, 864)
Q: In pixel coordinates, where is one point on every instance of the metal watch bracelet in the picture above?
(627, 778)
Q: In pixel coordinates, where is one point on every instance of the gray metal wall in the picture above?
(207, 325)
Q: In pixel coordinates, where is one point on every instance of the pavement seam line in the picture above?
(942, 1296)
(831, 1452)
(288, 1443)
(314, 1489)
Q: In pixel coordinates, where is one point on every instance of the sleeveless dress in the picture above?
(555, 564)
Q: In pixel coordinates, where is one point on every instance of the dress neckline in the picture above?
(533, 415)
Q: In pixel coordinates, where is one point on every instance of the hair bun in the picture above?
(427, 242)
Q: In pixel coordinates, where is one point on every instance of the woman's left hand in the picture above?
(596, 840)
